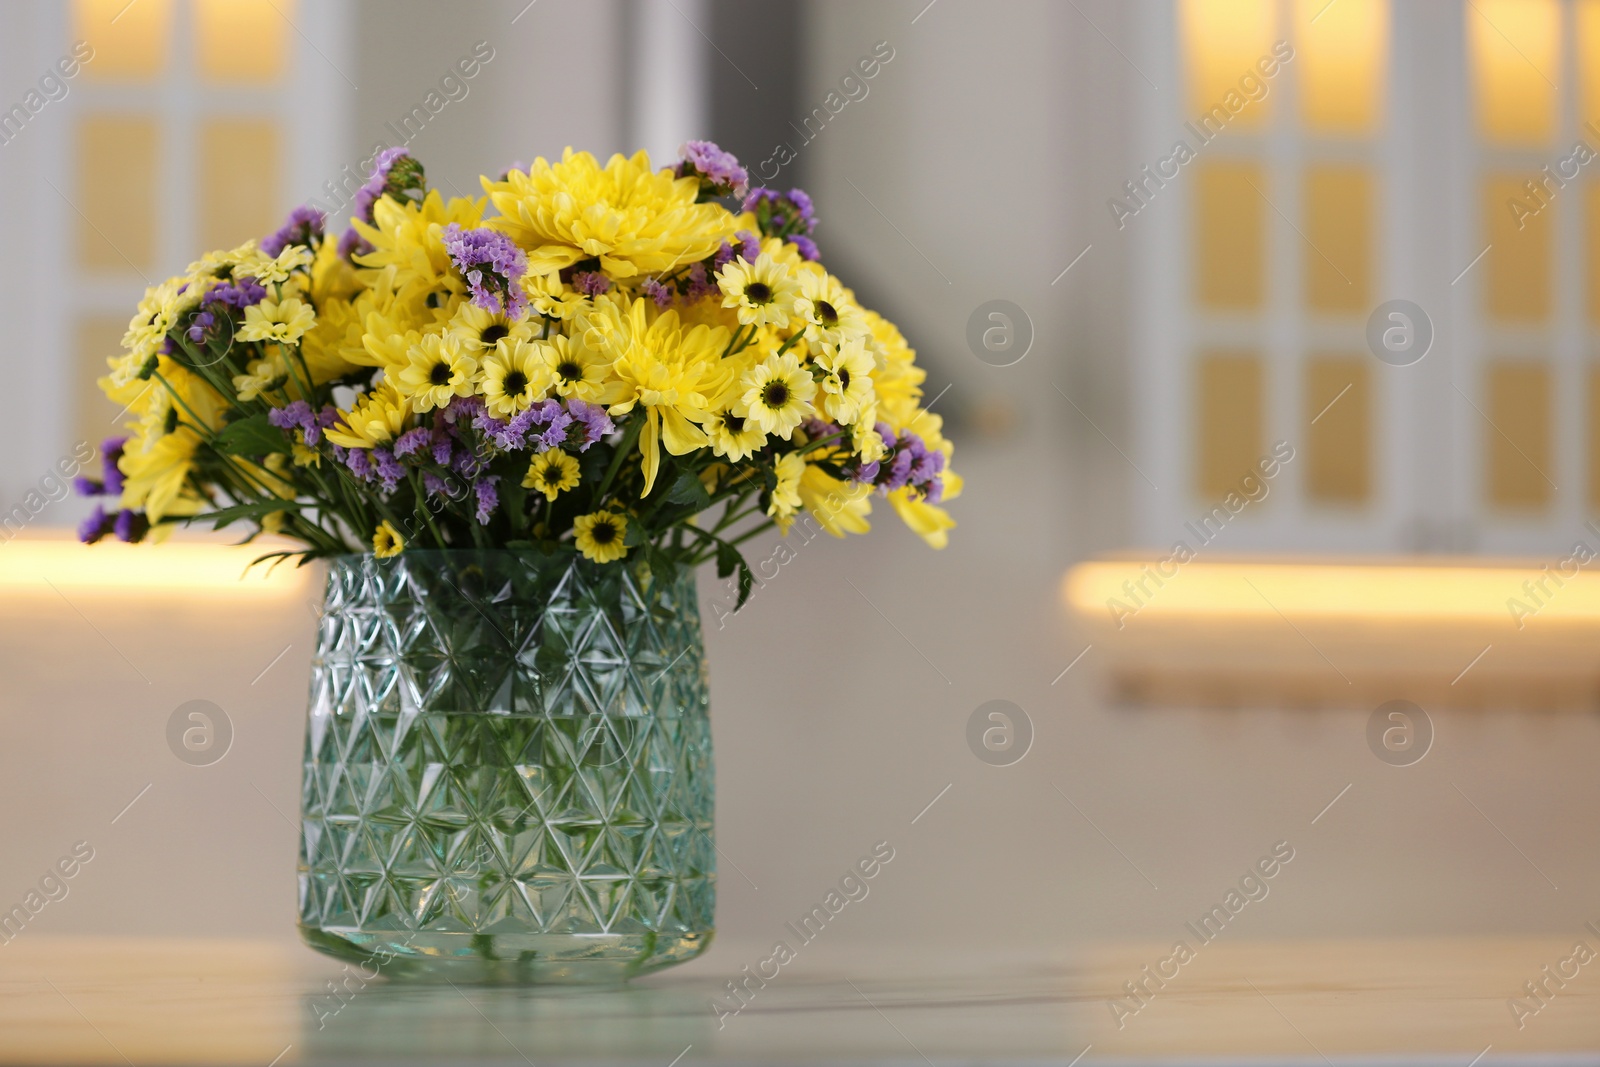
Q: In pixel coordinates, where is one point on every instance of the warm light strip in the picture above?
(1445, 593)
(173, 569)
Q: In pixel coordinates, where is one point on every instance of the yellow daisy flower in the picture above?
(733, 436)
(513, 377)
(831, 317)
(574, 369)
(552, 473)
(763, 292)
(437, 370)
(846, 381)
(386, 541)
(262, 374)
(283, 322)
(786, 496)
(633, 218)
(479, 329)
(777, 395)
(548, 297)
(600, 535)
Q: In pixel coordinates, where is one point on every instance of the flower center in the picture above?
(734, 423)
(569, 370)
(844, 377)
(775, 394)
(492, 333)
(828, 313)
(515, 383)
(759, 292)
(603, 533)
(440, 374)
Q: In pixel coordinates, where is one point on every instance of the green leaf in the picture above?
(730, 559)
(223, 516)
(254, 436)
(688, 490)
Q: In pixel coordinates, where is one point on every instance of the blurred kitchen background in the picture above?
(1171, 319)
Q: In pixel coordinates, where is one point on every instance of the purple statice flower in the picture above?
(553, 418)
(661, 294)
(782, 214)
(241, 294)
(360, 463)
(292, 416)
(326, 419)
(865, 473)
(463, 409)
(304, 223)
(816, 429)
(433, 483)
(889, 439)
(719, 172)
(699, 285)
(131, 526)
(591, 282)
(488, 498)
(353, 244)
(413, 441)
(443, 447)
(591, 419)
(808, 247)
(748, 248)
(384, 165)
(467, 464)
(88, 486)
(927, 468)
(389, 470)
(491, 262)
(199, 325)
(899, 472)
(96, 526)
(933, 492)
(110, 460)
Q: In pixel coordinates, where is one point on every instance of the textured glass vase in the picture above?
(508, 769)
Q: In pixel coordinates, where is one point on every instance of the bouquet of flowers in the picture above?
(609, 353)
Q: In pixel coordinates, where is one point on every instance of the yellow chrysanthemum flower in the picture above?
(376, 419)
(672, 372)
(777, 394)
(156, 478)
(633, 218)
(263, 374)
(270, 270)
(281, 321)
(846, 381)
(762, 293)
(386, 541)
(839, 507)
(600, 535)
(552, 473)
(437, 371)
(408, 237)
(514, 376)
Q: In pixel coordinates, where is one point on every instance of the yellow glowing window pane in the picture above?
(1338, 410)
(130, 40)
(1516, 62)
(1340, 53)
(1230, 390)
(1517, 441)
(243, 40)
(95, 339)
(115, 198)
(1339, 231)
(1517, 270)
(239, 180)
(1230, 235)
(1224, 41)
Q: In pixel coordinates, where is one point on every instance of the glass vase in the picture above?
(508, 769)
